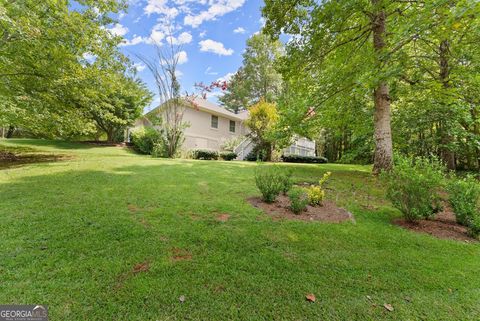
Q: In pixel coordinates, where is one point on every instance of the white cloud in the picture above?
(227, 77)
(139, 66)
(156, 37)
(134, 41)
(182, 57)
(160, 7)
(216, 47)
(118, 30)
(239, 30)
(203, 34)
(217, 8)
(182, 39)
(210, 72)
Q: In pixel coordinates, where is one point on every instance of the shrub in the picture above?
(286, 179)
(316, 194)
(144, 139)
(474, 226)
(228, 156)
(205, 154)
(159, 150)
(304, 159)
(413, 185)
(269, 182)
(256, 155)
(298, 200)
(464, 197)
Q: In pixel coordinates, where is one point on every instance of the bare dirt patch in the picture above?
(180, 255)
(329, 212)
(141, 267)
(223, 217)
(443, 226)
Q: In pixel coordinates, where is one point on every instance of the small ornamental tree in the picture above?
(262, 120)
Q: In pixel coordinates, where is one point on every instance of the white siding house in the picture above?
(210, 126)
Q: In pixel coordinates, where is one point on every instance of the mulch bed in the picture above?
(329, 212)
(443, 226)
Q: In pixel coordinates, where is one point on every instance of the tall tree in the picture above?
(258, 78)
(347, 46)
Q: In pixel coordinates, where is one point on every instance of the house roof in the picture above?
(209, 107)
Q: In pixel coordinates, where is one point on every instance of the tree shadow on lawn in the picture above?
(78, 228)
(58, 144)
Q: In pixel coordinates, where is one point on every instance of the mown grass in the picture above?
(73, 231)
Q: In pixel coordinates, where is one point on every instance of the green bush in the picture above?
(228, 156)
(159, 150)
(269, 181)
(474, 226)
(464, 197)
(144, 139)
(205, 154)
(256, 155)
(286, 179)
(298, 199)
(303, 159)
(413, 186)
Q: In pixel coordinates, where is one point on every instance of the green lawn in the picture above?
(73, 231)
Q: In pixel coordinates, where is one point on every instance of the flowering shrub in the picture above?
(316, 194)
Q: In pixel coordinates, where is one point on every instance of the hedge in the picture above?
(304, 159)
(205, 154)
(228, 156)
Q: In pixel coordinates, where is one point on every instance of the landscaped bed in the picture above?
(443, 226)
(328, 212)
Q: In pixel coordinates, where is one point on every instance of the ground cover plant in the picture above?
(111, 233)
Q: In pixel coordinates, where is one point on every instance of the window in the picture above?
(232, 126)
(214, 121)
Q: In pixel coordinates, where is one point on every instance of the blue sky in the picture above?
(212, 34)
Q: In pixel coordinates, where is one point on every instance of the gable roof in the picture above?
(208, 106)
(198, 103)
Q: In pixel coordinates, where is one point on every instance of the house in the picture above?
(210, 126)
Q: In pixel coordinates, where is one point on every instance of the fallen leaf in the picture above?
(181, 298)
(310, 297)
(388, 307)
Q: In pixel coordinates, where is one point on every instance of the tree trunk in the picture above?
(110, 135)
(10, 131)
(383, 158)
(448, 157)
